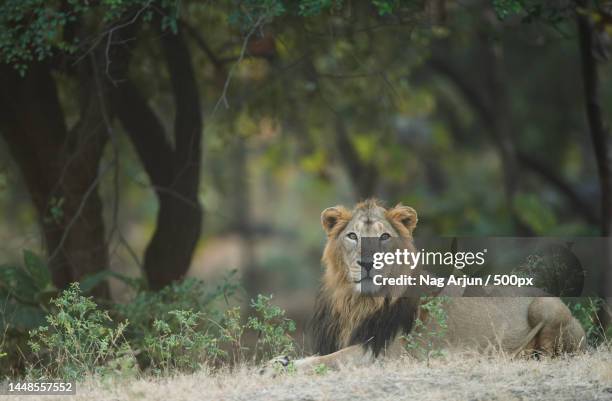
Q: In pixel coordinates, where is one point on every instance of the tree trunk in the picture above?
(597, 130)
(599, 138)
(60, 169)
(174, 171)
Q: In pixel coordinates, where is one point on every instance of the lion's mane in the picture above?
(343, 317)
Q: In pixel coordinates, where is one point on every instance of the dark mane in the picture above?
(325, 329)
(380, 328)
(375, 332)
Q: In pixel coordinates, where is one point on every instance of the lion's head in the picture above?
(344, 315)
(348, 230)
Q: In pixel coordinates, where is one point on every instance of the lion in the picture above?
(353, 328)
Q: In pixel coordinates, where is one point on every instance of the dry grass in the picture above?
(458, 377)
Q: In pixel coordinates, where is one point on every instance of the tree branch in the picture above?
(145, 131)
(599, 139)
(188, 118)
(597, 129)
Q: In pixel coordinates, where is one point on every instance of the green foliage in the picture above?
(28, 31)
(181, 343)
(180, 328)
(167, 334)
(534, 10)
(56, 210)
(28, 285)
(250, 14)
(32, 30)
(25, 293)
(423, 340)
(586, 311)
(150, 312)
(385, 7)
(272, 327)
(535, 213)
(231, 331)
(79, 339)
(321, 369)
(38, 271)
(507, 8)
(25, 299)
(309, 8)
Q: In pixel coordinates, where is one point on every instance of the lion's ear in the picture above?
(334, 218)
(403, 218)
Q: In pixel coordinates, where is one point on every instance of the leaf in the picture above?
(18, 283)
(366, 146)
(90, 282)
(506, 8)
(535, 213)
(38, 270)
(20, 317)
(28, 317)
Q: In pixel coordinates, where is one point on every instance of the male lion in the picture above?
(353, 328)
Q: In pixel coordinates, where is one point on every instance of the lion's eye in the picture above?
(352, 236)
(385, 237)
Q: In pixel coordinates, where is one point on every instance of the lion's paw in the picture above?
(277, 365)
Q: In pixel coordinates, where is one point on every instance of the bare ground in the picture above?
(458, 377)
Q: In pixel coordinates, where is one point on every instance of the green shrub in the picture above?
(166, 333)
(180, 344)
(231, 331)
(272, 327)
(321, 369)
(183, 340)
(423, 340)
(586, 311)
(79, 339)
(149, 312)
(180, 328)
(26, 291)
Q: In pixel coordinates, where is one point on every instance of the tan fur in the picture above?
(512, 325)
(351, 307)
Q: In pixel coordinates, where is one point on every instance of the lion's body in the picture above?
(513, 325)
(350, 327)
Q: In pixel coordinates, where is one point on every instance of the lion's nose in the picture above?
(366, 265)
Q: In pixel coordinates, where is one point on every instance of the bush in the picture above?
(26, 292)
(586, 311)
(79, 340)
(231, 331)
(272, 327)
(164, 313)
(167, 334)
(180, 328)
(183, 340)
(179, 344)
(423, 340)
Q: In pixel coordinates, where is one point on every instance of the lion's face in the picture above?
(346, 231)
